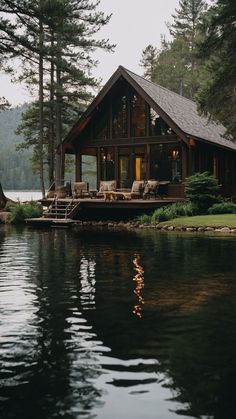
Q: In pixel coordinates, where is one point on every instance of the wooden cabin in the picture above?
(135, 129)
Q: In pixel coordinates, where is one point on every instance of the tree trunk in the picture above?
(51, 144)
(41, 165)
(3, 198)
(59, 160)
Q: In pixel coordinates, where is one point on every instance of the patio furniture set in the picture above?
(140, 190)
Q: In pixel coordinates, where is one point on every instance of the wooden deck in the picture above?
(94, 208)
(50, 222)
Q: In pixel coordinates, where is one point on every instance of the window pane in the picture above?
(166, 162)
(107, 163)
(101, 124)
(138, 116)
(157, 126)
(139, 168)
(89, 170)
(174, 157)
(119, 117)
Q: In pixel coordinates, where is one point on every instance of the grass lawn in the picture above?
(221, 220)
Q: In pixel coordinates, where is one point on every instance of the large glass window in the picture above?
(125, 166)
(119, 117)
(101, 126)
(89, 170)
(107, 163)
(138, 115)
(166, 162)
(157, 126)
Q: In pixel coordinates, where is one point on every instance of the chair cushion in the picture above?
(80, 186)
(151, 185)
(137, 186)
(107, 185)
(60, 192)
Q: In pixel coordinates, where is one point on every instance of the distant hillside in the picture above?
(15, 166)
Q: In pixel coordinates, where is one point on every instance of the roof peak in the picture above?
(121, 67)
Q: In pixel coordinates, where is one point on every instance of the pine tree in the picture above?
(56, 45)
(177, 66)
(217, 96)
(148, 61)
(187, 26)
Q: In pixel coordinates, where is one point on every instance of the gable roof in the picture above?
(180, 113)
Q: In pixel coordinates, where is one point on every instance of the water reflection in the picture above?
(88, 283)
(139, 279)
(71, 346)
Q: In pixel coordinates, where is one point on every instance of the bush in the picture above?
(19, 212)
(203, 191)
(223, 208)
(180, 209)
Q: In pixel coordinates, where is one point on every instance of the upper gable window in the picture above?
(138, 115)
(157, 126)
(100, 126)
(119, 116)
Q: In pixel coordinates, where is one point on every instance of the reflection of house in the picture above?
(135, 129)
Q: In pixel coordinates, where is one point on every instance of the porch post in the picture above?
(184, 162)
(116, 165)
(78, 167)
(98, 167)
(148, 162)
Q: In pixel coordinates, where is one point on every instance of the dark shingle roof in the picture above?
(183, 112)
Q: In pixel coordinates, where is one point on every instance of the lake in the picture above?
(110, 324)
(23, 195)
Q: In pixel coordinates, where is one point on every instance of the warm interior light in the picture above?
(175, 154)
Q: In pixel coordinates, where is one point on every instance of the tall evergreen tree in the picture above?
(148, 61)
(177, 66)
(217, 95)
(56, 46)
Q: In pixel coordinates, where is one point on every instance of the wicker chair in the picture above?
(80, 190)
(151, 189)
(106, 186)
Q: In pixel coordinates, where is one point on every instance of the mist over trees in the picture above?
(55, 41)
(15, 166)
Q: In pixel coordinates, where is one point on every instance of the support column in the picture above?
(148, 162)
(78, 168)
(98, 167)
(184, 162)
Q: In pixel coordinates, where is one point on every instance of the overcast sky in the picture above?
(133, 25)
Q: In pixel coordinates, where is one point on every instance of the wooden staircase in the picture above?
(62, 210)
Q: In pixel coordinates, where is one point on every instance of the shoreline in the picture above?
(130, 225)
(133, 224)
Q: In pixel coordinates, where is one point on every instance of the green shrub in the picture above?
(203, 191)
(179, 209)
(223, 208)
(19, 212)
(144, 219)
(169, 212)
(32, 209)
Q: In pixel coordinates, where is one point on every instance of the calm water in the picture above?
(98, 324)
(23, 195)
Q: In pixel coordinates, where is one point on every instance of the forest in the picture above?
(54, 40)
(16, 171)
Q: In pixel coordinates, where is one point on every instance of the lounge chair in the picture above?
(136, 191)
(151, 189)
(60, 192)
(106, 186)
(80, 190)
